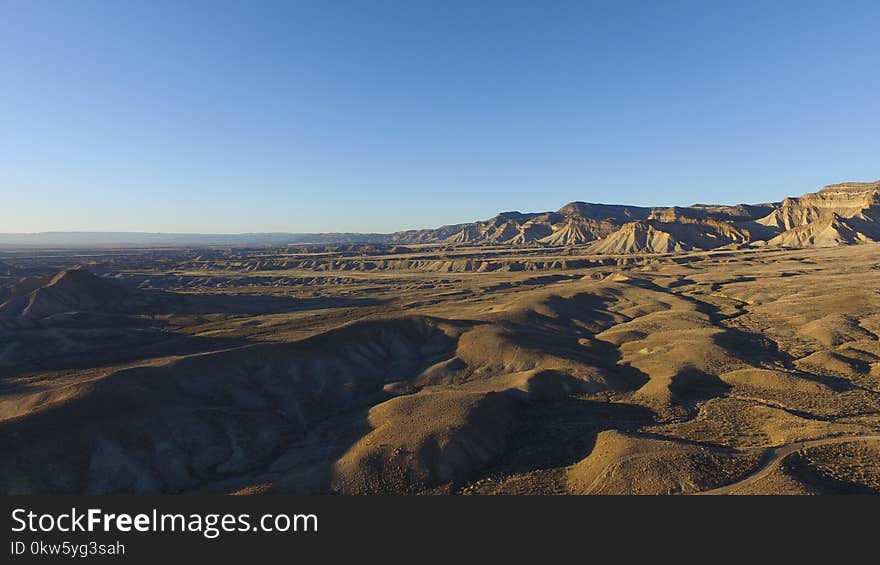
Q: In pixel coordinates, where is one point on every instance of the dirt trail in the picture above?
(774, 455)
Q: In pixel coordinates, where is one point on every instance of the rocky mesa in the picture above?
(838, 214)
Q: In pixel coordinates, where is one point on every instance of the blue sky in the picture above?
(383, 115)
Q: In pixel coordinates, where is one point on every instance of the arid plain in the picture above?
(459, 367)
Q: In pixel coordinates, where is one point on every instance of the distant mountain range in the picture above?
(148, 239)
(836, 215)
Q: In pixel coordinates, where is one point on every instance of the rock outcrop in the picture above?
(839, 214)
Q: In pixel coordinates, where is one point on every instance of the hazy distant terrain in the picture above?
(143, 239)
(598, 349)
(837, 214)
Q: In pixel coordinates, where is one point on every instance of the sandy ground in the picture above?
(441, 369)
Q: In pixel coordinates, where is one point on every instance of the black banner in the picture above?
(274, 528)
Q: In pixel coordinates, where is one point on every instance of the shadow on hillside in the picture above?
(557, 434)
(130, 330)
(569, 334)
(65, 349)
(163, 302)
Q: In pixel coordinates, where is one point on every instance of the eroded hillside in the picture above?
(443, 369)
(838, 214)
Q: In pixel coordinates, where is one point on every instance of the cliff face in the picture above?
(838, 214)
(852, 187)
(640, 237)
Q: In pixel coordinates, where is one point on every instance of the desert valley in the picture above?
(597, 349)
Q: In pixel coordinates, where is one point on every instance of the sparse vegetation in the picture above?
(447, 367)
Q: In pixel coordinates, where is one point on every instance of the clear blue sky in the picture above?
(381, 115)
